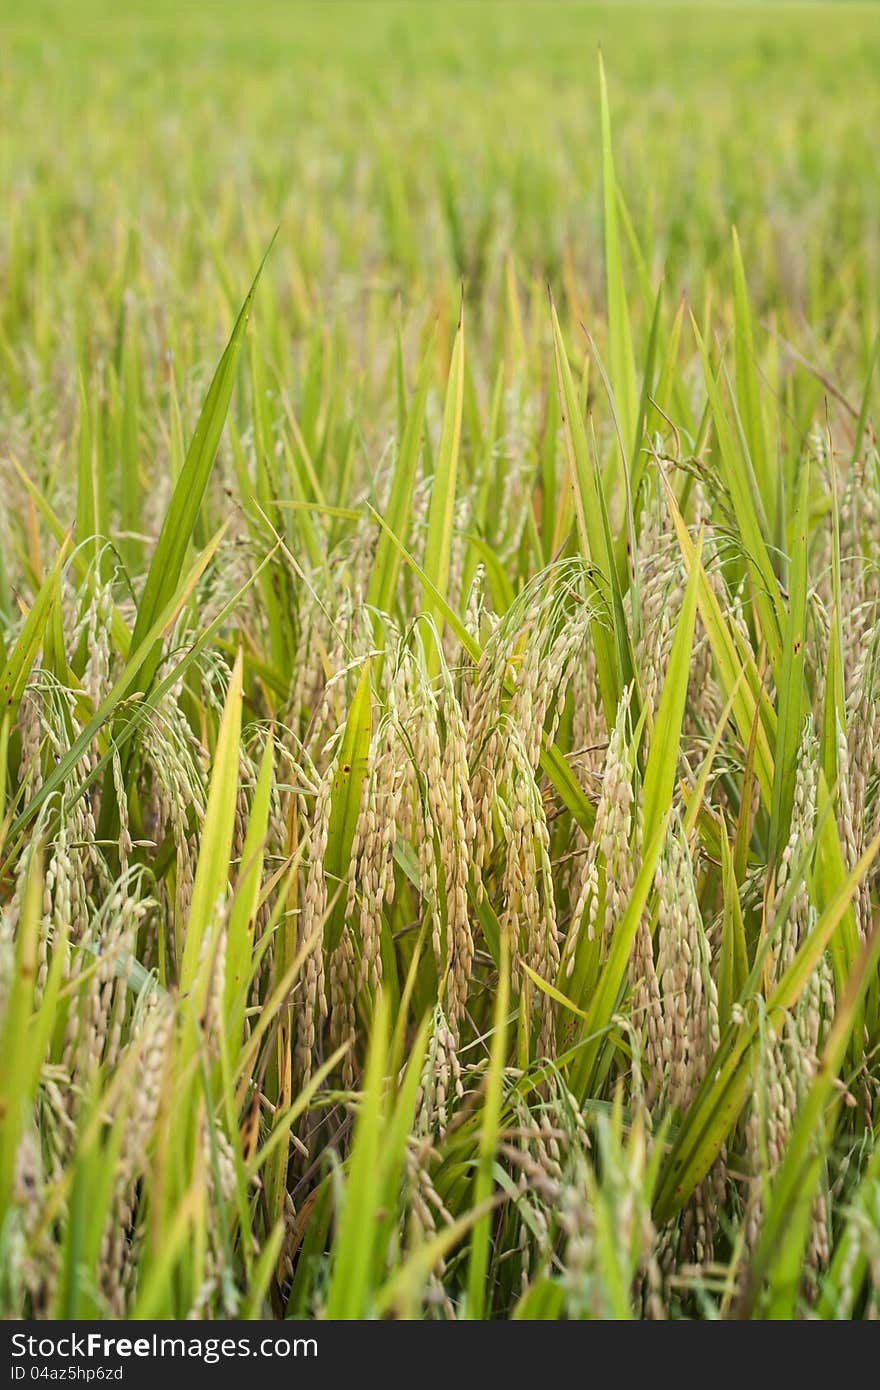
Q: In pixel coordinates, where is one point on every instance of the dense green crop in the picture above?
(439, 685)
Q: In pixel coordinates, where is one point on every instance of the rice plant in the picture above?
(439, 662)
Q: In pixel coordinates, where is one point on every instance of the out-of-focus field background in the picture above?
(429, 879)
(403, 148)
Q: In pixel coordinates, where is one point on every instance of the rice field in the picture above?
(439, 661)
